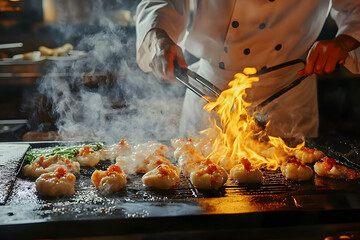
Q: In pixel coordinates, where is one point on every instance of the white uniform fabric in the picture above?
(230, 35)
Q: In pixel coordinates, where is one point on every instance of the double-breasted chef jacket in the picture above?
(229, 35)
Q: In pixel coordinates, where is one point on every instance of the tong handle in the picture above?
(181, 75)
(279, 66)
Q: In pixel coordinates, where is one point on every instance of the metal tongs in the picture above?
(206, 90)
(200, 86)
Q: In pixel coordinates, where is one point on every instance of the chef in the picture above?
(229, 35)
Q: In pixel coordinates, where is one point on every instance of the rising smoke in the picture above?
(86, 111)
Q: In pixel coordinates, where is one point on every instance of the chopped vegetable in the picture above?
(64, 151)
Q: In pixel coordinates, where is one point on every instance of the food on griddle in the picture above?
(152, 161)
(87, 157)
(203, 173)
(164, 176)
(309, 155)
(327, 167)
(133, 163)
(208, 176)
(111, 152)
(245, 173)
(42, 165)
(294, 169)
(204, 144)
(56, 52)
(149, 158)
(109, 181)
(159, 171)
(187, 155)
(57, 183)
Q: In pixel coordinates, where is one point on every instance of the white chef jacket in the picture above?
(230, 35)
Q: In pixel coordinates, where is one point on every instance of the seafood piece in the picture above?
(154, 160)
(57, 183)
(164, 176)
(131, 163)
(113, 151)
(109, 181)
(203, 173)
(159, 171)
(205, 144)
(309, 155)
(42, 165)
(87, 157)
(294, 170)
(245, 173)
(188, 157)
(208, 176)
(327, 167)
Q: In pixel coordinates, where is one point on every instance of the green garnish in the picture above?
(66, 152)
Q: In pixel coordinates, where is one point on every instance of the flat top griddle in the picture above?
(138, 209)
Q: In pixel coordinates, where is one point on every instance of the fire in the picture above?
(237, 135)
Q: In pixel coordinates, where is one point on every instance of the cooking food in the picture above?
(327, 167)
(149, 158)
(309, 155)
(87, 157)
(294, 169)
(208, 175)
(109, 181)
(203, 173)
(164, 176)
(57, 183)
(245, 173)
(45, 52)
(111, 152)
(42, 165)
(134, 162)
(56, 52)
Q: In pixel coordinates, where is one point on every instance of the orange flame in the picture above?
(235, 138)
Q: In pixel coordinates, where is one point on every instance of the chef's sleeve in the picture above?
(346, 14)
(172, 16)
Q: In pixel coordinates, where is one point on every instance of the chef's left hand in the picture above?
(326, 54)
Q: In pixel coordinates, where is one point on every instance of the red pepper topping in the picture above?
(308, 150)
(210, 168)
(328, 163)
(60, 172)
(246, 163)
(159, 161)
(112, 169)
(164, 170)
(85, 151)
(123, 142)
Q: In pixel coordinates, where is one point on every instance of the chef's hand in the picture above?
(325, 55)
(164, 52)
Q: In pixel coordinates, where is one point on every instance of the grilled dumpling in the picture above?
(327, 167)
(208, 176)
(87, 157)
(42, 165)
(57, 183)
(109, 181)
(164, 176)
(294, 170)
(245, 173)
(309, 155)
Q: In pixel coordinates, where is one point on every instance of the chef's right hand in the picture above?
(164, 53)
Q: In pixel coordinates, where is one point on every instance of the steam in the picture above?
(84, 108)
